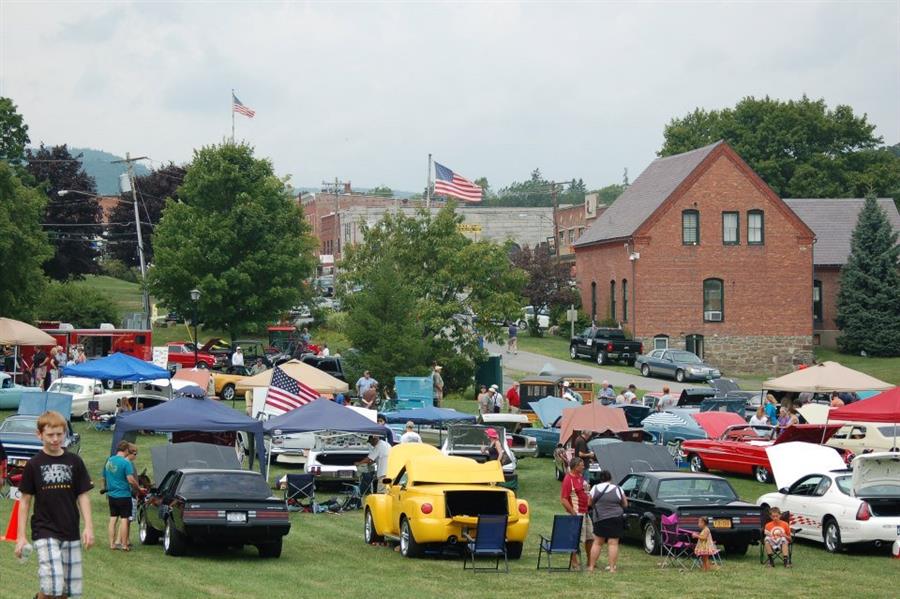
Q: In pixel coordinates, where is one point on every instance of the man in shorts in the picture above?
(57, 484)
(118, 473)
(573, 496)
(778, 539)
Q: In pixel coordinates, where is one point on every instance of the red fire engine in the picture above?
(96, 342)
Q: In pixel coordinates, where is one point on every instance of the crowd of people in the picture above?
(45, 367)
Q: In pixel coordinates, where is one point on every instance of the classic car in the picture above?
(605, 345)
(146, 394)
(226, 379)
(469, 441)
(334, 455)
(330, 364)
(741, 449)
(676, 363)
(11, 393)
(549, 411)
(182, 354)
(18, 436)
(857, 437)
(85, 390)
(536, 387)
(673, 426)
(434, 500)
(221, 351)
(543, 318)
(203, 496)
(523, 446)
(651, 495)
(833, 505)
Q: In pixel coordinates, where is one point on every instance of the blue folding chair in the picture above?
(489, 541)
(565, 538)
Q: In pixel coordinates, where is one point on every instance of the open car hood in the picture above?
(628, 457)
(207, 347)
(809, 433)
(792, 461)
(550, 409)
(872, 469)
(715, 423)
(35, 404)
(173, 456)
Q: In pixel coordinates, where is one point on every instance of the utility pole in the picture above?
(145, 294)
(554, 195)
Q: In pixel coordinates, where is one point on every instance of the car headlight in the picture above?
(693, 370)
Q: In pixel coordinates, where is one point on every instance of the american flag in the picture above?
(446, 182)
(239, 108)
(286, 393)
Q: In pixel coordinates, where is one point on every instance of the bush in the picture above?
(78, 304)
(117, 270)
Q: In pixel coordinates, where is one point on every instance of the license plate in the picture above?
(721, 523)
(236, 516)
(626, 356)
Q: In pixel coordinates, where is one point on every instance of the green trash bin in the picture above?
(489, 372)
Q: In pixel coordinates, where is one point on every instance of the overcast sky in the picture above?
(364, 91)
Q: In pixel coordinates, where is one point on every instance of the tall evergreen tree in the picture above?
(869, 298)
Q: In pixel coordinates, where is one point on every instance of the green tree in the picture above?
(548, 282)
(869, 299)
(238, 236)
(382, 191)
(23, 246)
(461, 288)
(13, 132)
(607, 195)
(536, 191)
(801, 148)
(78, 304)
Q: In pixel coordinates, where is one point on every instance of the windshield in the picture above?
(471, 437)
(684, 491)
(686, 357)
(19, 425)
(334, 440)
(225, 485)
(59, 387)
(844, 483)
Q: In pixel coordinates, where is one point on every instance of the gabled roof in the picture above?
(833, 221)
(644, 196)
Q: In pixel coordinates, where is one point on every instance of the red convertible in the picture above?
(741, 448)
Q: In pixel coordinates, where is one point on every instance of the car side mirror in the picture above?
(784, 491)
(386, 480)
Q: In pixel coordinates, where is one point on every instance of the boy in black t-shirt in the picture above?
(59, 483)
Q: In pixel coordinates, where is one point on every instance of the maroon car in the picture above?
(183, 354)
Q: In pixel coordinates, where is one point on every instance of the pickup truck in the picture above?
(605, 345)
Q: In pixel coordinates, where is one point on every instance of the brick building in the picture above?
(572, 221)
(700, 253)
(833, 221)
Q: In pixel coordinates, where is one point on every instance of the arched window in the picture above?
(690, 227)
(593, 300)
(624, 300)
(713, 300)
(612, 300)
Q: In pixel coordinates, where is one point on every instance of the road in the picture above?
(534, 363)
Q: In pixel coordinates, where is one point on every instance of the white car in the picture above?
(543, 318)
(831, 504)
(856, 437)
(84, 390)
(334, 455)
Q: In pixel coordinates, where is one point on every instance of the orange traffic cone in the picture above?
(12, 529)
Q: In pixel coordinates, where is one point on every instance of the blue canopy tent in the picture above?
(322, 415)
(550, 409)
(188, 414)
(428, 415)
(117, 367)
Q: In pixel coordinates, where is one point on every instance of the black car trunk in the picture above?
(885, 507)
(341, 458)
(476, 503)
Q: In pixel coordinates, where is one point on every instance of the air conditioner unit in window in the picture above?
(712, 316)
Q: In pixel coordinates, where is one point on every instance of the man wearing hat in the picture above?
(437, 384)
(410, 436)
(496, 400)
(378, 455)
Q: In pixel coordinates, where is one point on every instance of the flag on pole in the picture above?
(448, 183)
(286, 393)
(239, 108)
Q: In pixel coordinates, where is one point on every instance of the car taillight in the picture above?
(863, 513)
(426, 508)
(641, 348)
(523, 508)
(609, 347)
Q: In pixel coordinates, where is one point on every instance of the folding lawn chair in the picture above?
(367, 482)
(676, 545)
(565, 539)
(785, 516)
(489, 541)
(300, 492)
(93, 412)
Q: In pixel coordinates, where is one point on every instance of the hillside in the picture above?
(97, 164)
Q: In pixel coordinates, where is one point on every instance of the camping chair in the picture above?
(93, 413)
(489, 541)
(367, 480)
(786, 516)
(300, 492)
(565, 538)
(676, 545)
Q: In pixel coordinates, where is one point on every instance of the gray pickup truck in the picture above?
(605, 345)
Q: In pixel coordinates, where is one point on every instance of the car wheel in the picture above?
(573, 352)
(228, 392)
(146, 533)
(696, 463)
(109, 384)
(651, 538)
(679, 375)
(832, 536)
(645, 370)
(514, 550)
(601, 358)
(173, 541)
(736, 549)
(762, 474)
(522, 324)
(369, 532)
(201, 365)
(270, 550)
(408, 545)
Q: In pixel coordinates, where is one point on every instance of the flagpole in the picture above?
(232, 116)
(428, 184)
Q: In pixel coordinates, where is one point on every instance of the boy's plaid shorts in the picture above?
(59, 567)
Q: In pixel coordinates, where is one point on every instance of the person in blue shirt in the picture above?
(772, 409)
(118, 474)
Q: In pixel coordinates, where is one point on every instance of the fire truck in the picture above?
(96, 342)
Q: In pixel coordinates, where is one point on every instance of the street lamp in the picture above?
(195, 298)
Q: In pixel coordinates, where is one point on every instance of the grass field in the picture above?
(126, 296)
(324, 556)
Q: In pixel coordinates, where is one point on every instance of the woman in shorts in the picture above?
(608, 516)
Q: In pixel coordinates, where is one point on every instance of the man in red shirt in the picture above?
(512, 396)
(574, 498)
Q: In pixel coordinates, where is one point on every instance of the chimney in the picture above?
(347, 187)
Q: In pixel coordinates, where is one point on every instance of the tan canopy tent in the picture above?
(308, 375)
(825, 378)
(16, 333)
(592, 417)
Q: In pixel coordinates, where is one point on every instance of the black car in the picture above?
(604, 345)
(734, 523)
(224, 507)
(331, 365)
